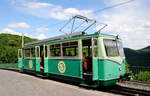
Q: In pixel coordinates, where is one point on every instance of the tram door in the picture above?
(95, 58)
(87, 57)
(20, 62)
(46, 51)
(37, 51)
(90, 58)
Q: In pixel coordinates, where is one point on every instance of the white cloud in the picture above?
(48, 10)
(9, 31)
(41, 36)
(130, 21)
(75, 11)
(35, 5)
(41, 29)
(19, 25)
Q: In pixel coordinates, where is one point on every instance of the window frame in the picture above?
(74, 46)
(54, 49)
(116, 48)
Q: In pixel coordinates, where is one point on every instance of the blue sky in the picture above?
(42, 18)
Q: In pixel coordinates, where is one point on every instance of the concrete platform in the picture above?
(18, 84)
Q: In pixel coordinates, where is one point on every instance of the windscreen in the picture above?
(113, 48)
(120, 48)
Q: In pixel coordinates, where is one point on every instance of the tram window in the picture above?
(38, 52)
(120, 48)
(87, 47)
(46, 54)
(111, 47)
(95, 48)
(70, 48)
(27, 52)
(32, 54)
(55, 50)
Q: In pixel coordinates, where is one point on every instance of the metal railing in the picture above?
(138, 69)
(8, 65)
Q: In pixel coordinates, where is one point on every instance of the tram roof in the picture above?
(74, 35)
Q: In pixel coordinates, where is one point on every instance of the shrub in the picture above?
(142, 76)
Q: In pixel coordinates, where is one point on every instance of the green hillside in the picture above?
(9, 45)
(138, 57)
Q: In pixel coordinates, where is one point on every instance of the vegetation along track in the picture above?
(117, 89)
(137, 83)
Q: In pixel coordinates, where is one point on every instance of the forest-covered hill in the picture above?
(9, 45)
(138, 57)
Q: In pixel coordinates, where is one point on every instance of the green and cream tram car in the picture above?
(92, 59)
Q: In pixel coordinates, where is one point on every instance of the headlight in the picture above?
(120, 68)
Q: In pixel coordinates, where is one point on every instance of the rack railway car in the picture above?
(89, 59)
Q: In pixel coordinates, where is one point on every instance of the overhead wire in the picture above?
(113, 6)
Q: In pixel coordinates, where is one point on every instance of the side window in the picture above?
(87, 47)
(95, 47)
(27, 52)
(120, 48)
(70, 48)
(46, 53)
(32, 52)
(55, 50)
(37, 51)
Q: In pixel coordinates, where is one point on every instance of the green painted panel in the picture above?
(37, 64)
(46, 65)
(29, 64)
(109, 69)
(95, 68)
(20, 63)
(108, 83)
(123, 68)
(65, 67)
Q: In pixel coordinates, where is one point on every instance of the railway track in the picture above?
(127, 91)
(138, 83)
(117, 89)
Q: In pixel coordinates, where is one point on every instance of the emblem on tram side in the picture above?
(61, 67)
(30, 64)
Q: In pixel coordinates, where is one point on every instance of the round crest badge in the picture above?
(30, 63)
(61, 67)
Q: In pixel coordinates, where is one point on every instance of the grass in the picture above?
(8, 65)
